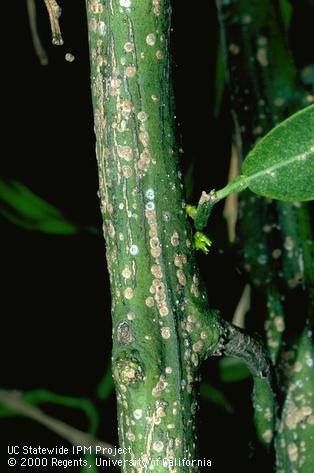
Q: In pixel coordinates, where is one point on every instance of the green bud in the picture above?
(191, 210)
(202, 242)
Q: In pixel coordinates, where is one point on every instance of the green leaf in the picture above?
(24, 208)
(41, 396)
(281, 165)
(91, 465)
(215, 396)
(232, 370)
(220, 80)
(24, 202)
(106, 385)
(286, 12)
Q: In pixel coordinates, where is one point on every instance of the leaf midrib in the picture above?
(279, 165)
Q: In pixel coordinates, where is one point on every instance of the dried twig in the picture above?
(231, 204)
(243, 307)
(54, 12)
(39, 49)
(13, 400)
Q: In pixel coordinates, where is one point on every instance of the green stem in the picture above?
(207, 201)
(162, 326)
(275, 323)
(275, 237)
(154, 283)
(252, 353)
(294, 443)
